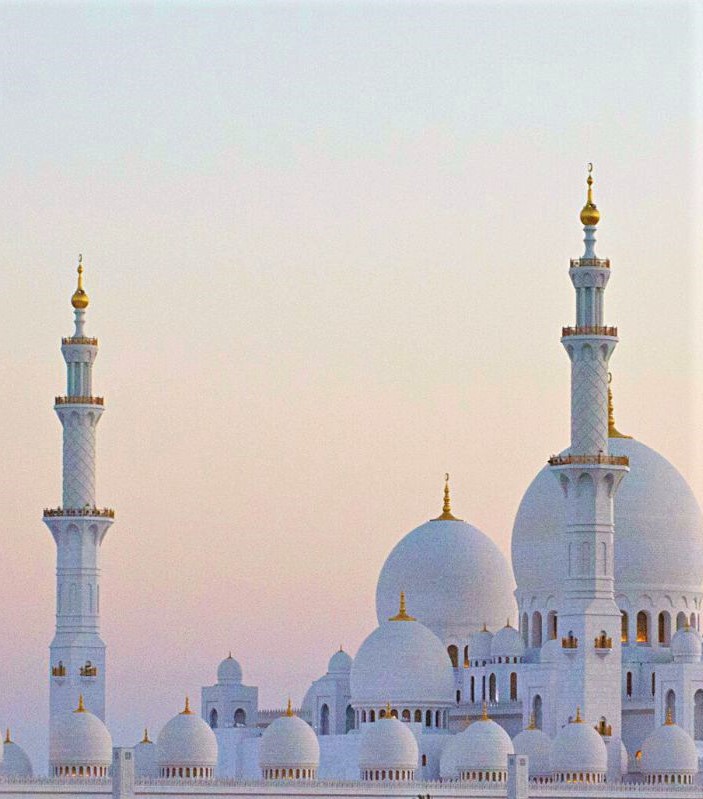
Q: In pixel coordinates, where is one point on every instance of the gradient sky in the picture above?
(326, 248)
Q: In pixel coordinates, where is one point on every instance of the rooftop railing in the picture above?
(589, 460)
(79, 401)
(599, 263)
(105, 513)
(589, 330)
(93, 342)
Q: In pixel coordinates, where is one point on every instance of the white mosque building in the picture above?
(587, 679)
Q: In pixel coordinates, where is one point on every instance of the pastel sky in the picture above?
(326, 247)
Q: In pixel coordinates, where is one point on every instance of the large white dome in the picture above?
(579, 748)
(186, 741)
(404, 663)
(388, 744)
(669, 750)
(455, 579)
(80, 739)
(289, 743)
(658, 528)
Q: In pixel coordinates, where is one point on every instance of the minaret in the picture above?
(589, 619)
(77, 652)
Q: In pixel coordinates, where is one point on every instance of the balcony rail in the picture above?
(105, 513)
(569, 642)
(93, 342)
(89, 670)
(58, 671)
(79, 401)
(603, 642)
(599, 263)
(610, 460)
(603, 729)
(589, 330)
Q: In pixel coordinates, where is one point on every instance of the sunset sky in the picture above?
(326, 247)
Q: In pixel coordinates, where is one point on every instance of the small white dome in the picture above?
(340, 663)
(480, 644)
(669, 750)
(579, 748)
(80, 739)
(15, 762)
(507, 642)
(402, 662)
(551, 651)
(483, 746)
(537, 745)
(229, 671)
(186, 741)
(443, 567)
(686, 646)
(290, 743)
(448, 766)
(388, 744)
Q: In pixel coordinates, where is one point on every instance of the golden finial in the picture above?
(590, 215)
(613, 432)
(289, 709)
(578, 719)
(484, 711)
(669, 720)
(484, 629)
(186, 710)
(447, 515)
(388, 710)
(79, 300)
(8, 740)
(686, 625)
(145, 739)
(81, 706)
(402, 614)
(533, 722)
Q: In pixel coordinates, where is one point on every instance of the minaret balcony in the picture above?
(598, 263)
(103, 513)
(589, 330)
(92, 342)
(89, 670)
(589, 460)
(603, 644)
(79, 401)
(569, 643)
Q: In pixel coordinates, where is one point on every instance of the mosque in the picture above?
(586, 679)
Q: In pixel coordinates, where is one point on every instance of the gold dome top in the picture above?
(289, 709)
(402, 614)
(186, 710)
(81, 706)
(447, 506)
(80, 300)
(590, 215)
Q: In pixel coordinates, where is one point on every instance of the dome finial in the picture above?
(229, 657)
(590, 215)
(613, 432)
(8, 740)
(388, 710)
(81, 706)
(402, 614)
(533, 722)
(79, 300)
(447, 506)
(578, 719)
(186, 710)
(145, 739)
(484, 711)
(289, 709)
(669, 720)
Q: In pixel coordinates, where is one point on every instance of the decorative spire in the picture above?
(186, 710)
(590, 215)
(402, 614)
(578, 719)
(508, 624)
(613, 432)
(484, 711)
(447, 515)
(484, 629)
(81, 706)
(533, 722)
(8, 740)
(388, 710)
(669, 718)
(79, 300)
(145, 739)
(229, 657)
(289, 709)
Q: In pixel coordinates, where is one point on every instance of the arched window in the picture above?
(492, 693)
(624, 631)
(628, 683)
(350, 719)
(513, 686)
(213, 719)
(424, 760)
(654, 683)
(394, 714)
(698, 715)
(537, 711)
(418, 717)
(642, 628)
(524, 629)
(473, 689)
(437, 719)
(325, 720)
(552, 625)
(406, 715)
(453, 653)
(693, 620)
(670, 704)
(680, 620)
(466, 656)
(372, 715)
(240, 717)
(536, 629)
(428, 718)
(458, 697)
(664, 630)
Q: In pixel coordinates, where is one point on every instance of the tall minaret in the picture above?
(78, 527)
(589, 619)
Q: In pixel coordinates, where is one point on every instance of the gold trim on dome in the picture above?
(289, 709)
(80, 300)
(669, 720)
(484, 712)
(186, 710)
(145, 739)
(613, 432)
(578, 719)
(402, 614)
(447, 515)
(533, 722)
(590, 215)
(81, 706)
(8, 740)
